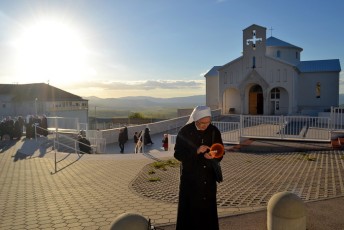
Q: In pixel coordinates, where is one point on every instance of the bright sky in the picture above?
(159, 48)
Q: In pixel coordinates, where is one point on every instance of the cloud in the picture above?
(143, 85)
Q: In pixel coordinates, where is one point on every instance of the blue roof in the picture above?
(331, 65)
(272, 41)
(213, 72)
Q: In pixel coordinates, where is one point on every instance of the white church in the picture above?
(270, 79)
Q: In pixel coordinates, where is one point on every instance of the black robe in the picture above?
(197, 207)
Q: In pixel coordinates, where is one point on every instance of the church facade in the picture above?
(270, 79)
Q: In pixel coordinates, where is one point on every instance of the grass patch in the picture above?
(152, 171)
(307, 157)
(310, 158)
(154, 179)
(162, 165)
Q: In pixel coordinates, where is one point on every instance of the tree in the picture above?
(136, 116)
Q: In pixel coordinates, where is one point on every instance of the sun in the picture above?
(50, 50)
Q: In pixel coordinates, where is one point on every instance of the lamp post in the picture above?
(36, 99)
(95, 115)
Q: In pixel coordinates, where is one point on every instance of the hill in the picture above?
(152, 106)
(125, 103)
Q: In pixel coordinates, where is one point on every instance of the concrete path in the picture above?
(89, 191)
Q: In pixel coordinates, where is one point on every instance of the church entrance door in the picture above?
(256, 100)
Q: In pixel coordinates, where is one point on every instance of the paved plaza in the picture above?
(89, 191)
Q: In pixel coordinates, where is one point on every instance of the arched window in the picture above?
(275, 93)
(256, 89)
(253, 62)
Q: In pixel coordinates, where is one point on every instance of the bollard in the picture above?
(129, 221)
(286, 211)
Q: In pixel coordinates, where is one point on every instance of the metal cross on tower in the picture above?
(253, 40)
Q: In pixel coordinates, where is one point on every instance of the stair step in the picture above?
(335, 144)
(341, 140)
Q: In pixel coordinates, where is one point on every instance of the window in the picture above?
(317, 90)
(271, 76)
(253, 62)
(297, 55)
(275, 93)
(285, 75)
(278, 77)
(278, 53)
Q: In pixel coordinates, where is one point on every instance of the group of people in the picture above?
(197, 206)
(11, 127)
(84, 144)
(14, 127)
(41, 123)
(139, 139)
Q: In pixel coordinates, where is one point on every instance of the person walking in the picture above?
(147, 137)
(165, 142)
(122, 138)
(197, 207)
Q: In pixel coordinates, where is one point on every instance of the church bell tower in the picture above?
(254, 47)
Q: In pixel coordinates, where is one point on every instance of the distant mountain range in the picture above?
(141, 102)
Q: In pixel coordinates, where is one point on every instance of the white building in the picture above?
(41, 99)
(270, 78)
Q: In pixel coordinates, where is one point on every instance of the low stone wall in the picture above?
(111, 135)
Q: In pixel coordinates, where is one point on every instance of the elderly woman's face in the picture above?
(202, 124)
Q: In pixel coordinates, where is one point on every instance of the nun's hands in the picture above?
(204, 149)
(208, 156)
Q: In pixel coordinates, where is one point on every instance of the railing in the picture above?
(286, 127)
(60, 142)
(304, 128)
(171, 142)
(300, 128)
(230, 131)
(337, 118)
(139, 147)
(98, 144)
(63, 123)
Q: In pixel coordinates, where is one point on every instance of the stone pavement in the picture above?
(89, 191)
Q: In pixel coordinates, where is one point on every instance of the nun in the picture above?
(197, 207)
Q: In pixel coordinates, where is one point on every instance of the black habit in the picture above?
(197, 207)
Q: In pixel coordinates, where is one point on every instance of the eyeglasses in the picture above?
(203, 123)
